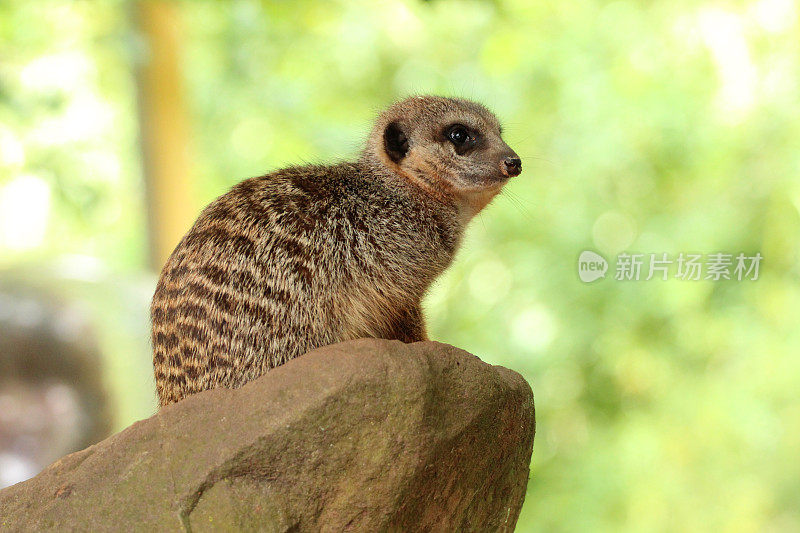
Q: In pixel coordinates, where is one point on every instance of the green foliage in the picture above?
(643, 127)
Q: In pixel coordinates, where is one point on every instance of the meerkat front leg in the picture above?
(408, 326)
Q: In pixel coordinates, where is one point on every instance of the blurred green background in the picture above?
(645, 127)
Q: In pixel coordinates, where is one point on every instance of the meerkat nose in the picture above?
(512, 166)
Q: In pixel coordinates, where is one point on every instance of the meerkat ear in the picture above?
(395, 142)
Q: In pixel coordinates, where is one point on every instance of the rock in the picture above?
(368, 435)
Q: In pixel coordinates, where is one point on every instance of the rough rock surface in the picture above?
(368, 435)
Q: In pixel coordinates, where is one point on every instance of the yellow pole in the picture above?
(163, 128)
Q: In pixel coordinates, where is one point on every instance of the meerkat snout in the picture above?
(511, 166)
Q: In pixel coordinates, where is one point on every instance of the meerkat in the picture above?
(314, 255)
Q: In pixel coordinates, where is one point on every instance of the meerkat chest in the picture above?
(397, 255)
(389, 270)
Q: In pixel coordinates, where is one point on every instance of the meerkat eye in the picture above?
(458, 135)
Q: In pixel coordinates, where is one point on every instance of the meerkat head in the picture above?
(450, 147)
